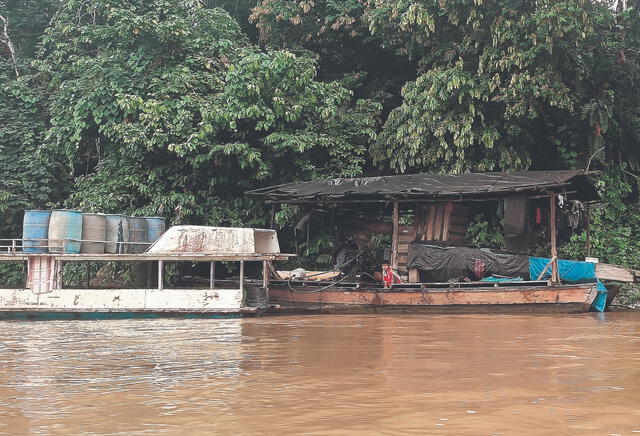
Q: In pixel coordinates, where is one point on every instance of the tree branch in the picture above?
(6, 40)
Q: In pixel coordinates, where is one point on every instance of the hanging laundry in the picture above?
(561, 200)
(576, 213)
(538, 215)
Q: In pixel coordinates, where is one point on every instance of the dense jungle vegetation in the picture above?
(176, 107)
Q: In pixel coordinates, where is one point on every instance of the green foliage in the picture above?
(165, 108)
(629, 295)
(614, 236)
(483, 234)
(29, 180)
(503, 83)
(12, 274)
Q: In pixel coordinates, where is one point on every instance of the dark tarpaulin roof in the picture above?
(425, 186)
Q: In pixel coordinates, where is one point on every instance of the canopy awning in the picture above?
(430, 186)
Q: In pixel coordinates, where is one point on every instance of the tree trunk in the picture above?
(6, 40)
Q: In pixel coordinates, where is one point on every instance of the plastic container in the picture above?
(35, 231)
(65, 231)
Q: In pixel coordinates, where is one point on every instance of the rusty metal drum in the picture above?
(155, 228)
(65, 231)
(138, 234)
(117, 234)
(94, 229)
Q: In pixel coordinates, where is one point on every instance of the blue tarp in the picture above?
(572, 271)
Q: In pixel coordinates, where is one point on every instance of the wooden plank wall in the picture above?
(438, 223)
(407, 234)
(442, 222)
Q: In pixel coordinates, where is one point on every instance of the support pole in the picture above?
(555, 279)
(265, 273)
(242, 275)
(149, 267)
(160, 274)
(212, 275)
(88, 275)
(58, 268)
(394, 236)
(273, 216)
(587, 222)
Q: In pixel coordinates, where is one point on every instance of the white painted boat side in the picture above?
(123, 299)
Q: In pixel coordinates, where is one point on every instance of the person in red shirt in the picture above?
(388, 275)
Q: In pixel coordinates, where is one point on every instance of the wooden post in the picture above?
(160, 274)
(552, 229)
(212, 275)
(587, 223)
(273, 215)
(394, 236)
(242, 275)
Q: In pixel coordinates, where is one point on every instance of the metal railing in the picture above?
(17, 245)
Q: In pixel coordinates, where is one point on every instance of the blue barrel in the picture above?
(137, 233)
(155, 227)
(35, 231)
(65, 231)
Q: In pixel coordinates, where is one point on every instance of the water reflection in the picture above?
(473, 374)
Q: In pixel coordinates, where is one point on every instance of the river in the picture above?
(324, 375)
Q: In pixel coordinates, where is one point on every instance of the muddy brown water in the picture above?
(324, 375)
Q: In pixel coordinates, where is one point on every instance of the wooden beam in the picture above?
(587, 223)
(242, 275)
(553, 259)
(555, 279)
(414, 275)
(394, 235)
(273, 216)
(616, 273)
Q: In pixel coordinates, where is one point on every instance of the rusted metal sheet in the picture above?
(445, 297)
(216, 240)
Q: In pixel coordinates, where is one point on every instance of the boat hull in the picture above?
(574, 298)
(61, 315)
(122, 303)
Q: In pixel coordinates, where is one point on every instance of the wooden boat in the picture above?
(433, 297)
(418, 211)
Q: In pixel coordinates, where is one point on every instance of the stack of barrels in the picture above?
(71, 231)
